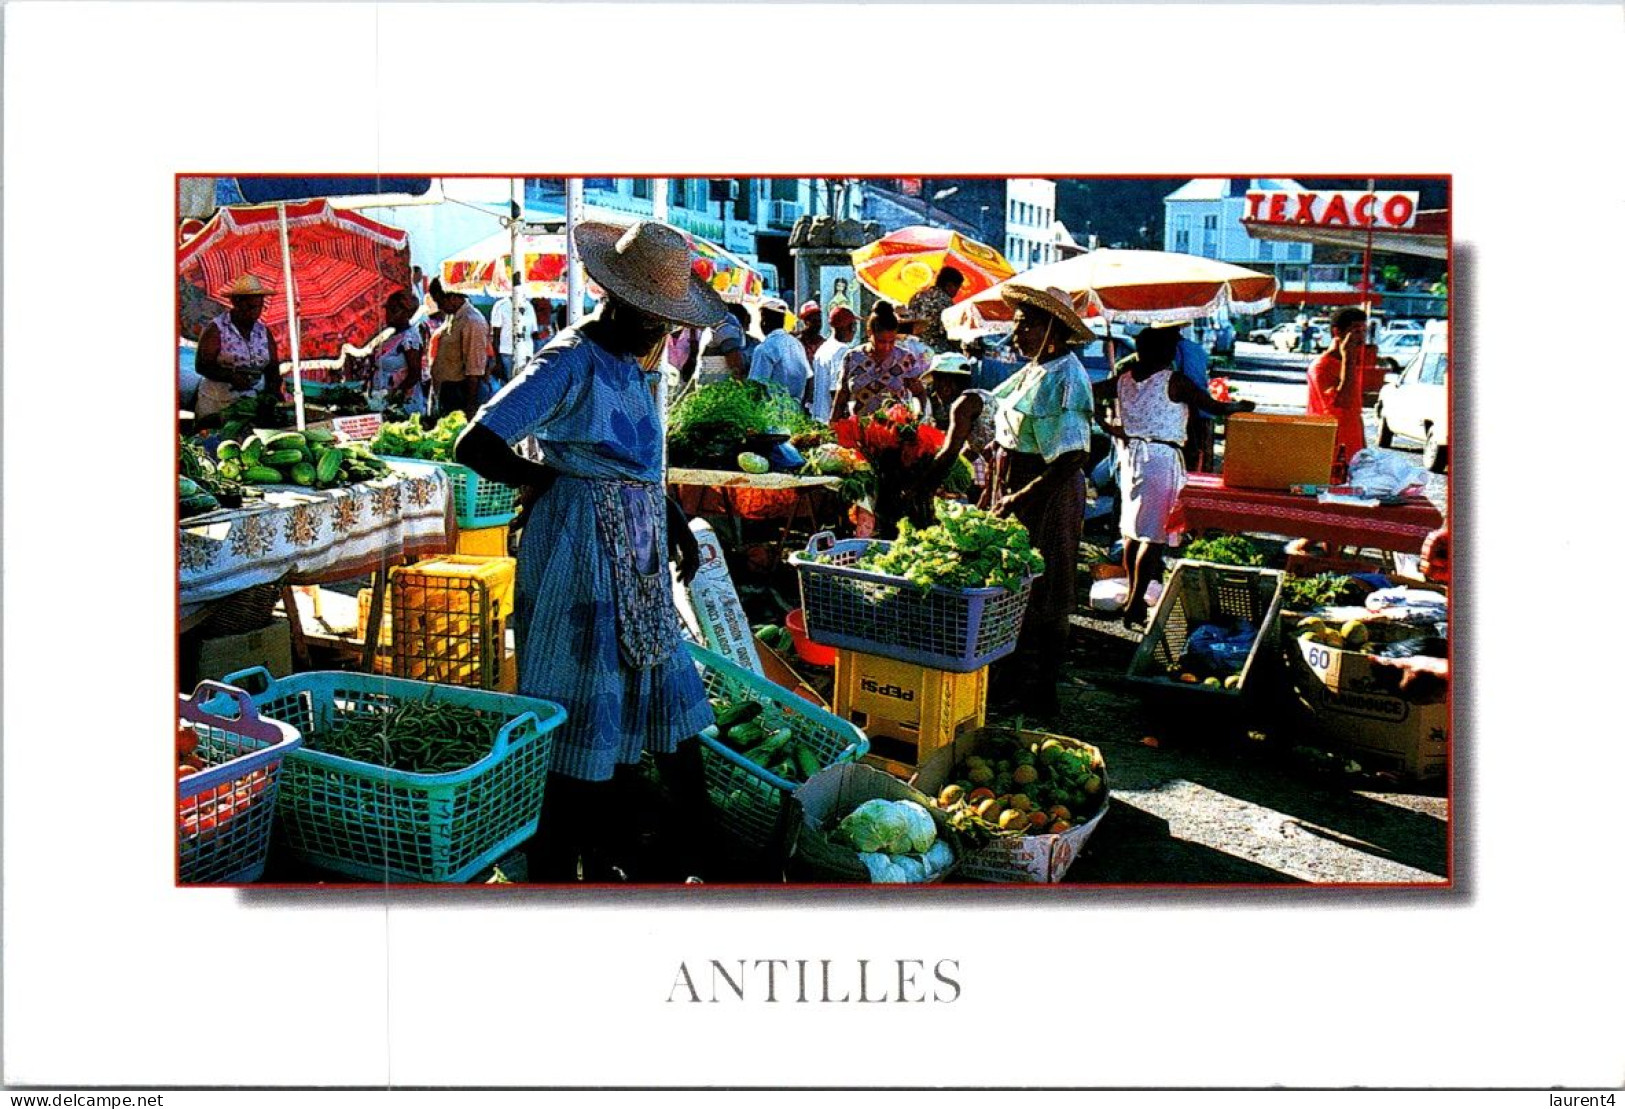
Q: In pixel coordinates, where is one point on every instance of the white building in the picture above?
(1204, 217)
(1029, 222)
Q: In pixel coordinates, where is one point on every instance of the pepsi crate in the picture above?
(959, 630)
(223, 811)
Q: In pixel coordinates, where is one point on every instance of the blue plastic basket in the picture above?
(750, 798)
(379, 824)
(958, 630)
(479, 503)
(223, 813)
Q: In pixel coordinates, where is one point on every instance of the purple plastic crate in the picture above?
(959, 630)
(223, 812)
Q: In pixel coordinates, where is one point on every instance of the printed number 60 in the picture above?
(1319, 658)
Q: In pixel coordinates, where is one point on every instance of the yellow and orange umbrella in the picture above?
(1139, 286)
(901, 264)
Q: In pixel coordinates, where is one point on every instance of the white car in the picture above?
(1396, 348)
(1417, 405)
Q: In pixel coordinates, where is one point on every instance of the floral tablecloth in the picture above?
(305, 535)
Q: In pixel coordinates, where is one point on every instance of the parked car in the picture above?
(1416, 404)
(1261, 334)
(1284, 336)
(1397, 348)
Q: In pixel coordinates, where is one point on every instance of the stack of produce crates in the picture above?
(1209, 593)
(374, 822)
(446, 620)
(913, 662)
(750, 799)
(223, 810)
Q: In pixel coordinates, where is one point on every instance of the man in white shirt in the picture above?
(826, 375)
(514, 345)
(780, 362)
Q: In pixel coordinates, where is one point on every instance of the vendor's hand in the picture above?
(1243, 406)
(686, 554)
(1004, 506)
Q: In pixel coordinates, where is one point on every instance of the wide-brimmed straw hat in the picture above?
(246, 286)
(1053, 302)
(647, 265)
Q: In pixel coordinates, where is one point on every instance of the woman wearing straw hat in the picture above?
(236, 353)
(1045, 413)
(596, 625)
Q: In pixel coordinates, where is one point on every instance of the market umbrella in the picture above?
(343, 266)
(485, 266)
(1137, 286)
(902, 263)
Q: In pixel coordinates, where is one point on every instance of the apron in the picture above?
(632, 527)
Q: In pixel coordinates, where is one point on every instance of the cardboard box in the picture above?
(1353, 707)
(833, 792)
(270, 647)
(1278, 452)
(1040, 859)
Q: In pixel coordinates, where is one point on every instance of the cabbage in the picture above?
(883, 869)
(939, 858)
(922, 831)
(876, 825)
(911, 867)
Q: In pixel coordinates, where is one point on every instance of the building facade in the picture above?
(1030, 236)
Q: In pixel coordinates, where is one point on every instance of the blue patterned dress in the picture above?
(594, 621)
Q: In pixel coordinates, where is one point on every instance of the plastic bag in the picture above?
(1385, 474)
(1108, 595)
(1221, 648)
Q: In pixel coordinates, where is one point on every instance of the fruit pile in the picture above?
(1014, 785)
(741, 727)
(312, 458)
(211, 811)
(1352, 635)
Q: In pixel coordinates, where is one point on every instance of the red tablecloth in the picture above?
(1206, 502)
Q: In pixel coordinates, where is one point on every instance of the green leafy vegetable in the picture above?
(966, 549)
(410, 439)
(1231, 550)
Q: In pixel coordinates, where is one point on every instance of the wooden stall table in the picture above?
(299, 536)
(1206, 502)
(786, 497)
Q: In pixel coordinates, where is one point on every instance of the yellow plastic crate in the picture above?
(486, 542)
(908, 702)
(1278, 452)
(448, 619)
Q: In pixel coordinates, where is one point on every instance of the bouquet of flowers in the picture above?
(896, 443)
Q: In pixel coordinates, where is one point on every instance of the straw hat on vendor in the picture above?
(236, 352)
(596, 625)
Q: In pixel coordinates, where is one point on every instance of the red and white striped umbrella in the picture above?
(343, 264)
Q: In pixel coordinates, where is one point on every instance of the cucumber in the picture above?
(253, 447)
(319, 436)
(741, 712)
(304, 473)
(805, 760)
(231, 470)
(281, 457)
(285, 441)
(262, 475)
(327, 467)
(228, 450)
(741, 736)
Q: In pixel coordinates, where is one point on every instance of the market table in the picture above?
(305, 536)
(785, 497)
(1206, 502)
